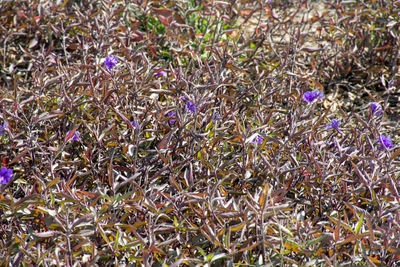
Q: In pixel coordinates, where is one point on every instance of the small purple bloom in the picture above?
(5, 175)
(162, 73)
(183, 98)
(76, 136)
(177, 74)
(172, 115)
(135, 124)
(376, 109)
(258, 140)
(385, 141)
(110, 62)
(216, 117)
(334, 125)
(310, 96)
(2, 128)
(191, 107)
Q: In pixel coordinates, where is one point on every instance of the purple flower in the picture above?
(110, 62)
(135, 124)
(258, 140)
(216, 117)
(376, 109)
(2, 128)
(5, 175)
(172, 115)
(334, 125)
(162, 73)
(191, 107)
(76, 136)
(385, 141)
(310, 96)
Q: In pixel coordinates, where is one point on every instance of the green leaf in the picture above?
(316, 240)
(209, 257)
(201, 251)
(124, 196)
(218, 256)
(20, 181)
(359, 224)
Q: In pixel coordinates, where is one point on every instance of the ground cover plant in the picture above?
(199, 133)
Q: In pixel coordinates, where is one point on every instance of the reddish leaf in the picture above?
(163, 20)
(164, 142)
(152, 50)
(18, 157)
(71, 134)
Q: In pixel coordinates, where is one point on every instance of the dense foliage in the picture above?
(196, 133)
